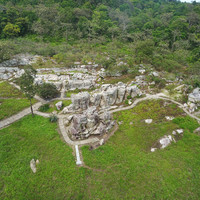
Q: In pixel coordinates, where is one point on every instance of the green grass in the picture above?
(114, 80)
(127, 168)
(9, 107)
(57, 176)
(9, 91)
(52, 106)
(123, 168)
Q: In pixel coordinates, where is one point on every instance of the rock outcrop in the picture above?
(89, 123)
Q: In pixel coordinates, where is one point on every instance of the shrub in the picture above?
(47, 91)
(126, 102)
(53, 118)
(129, 97)
(186, 123)
(44, 108)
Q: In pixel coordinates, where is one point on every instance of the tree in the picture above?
(11, 30)
(26, 83)
(48, 91)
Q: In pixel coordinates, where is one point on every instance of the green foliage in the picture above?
(44, 108)
(47, 91)
(11, 30)
(129, 97)
(6, 50)
(187, 123)
(53, 119)
(26, 82)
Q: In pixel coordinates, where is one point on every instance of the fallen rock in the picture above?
(194, 96)
(148, 121)
(197, 131)
(101, 142)
(33, 165)
(169, 118)
(59, 105)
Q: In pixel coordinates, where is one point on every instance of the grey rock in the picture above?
(80, 100)
(148, 121)
(194, 96)
(197, 131)
(59, 105)
(33, 165)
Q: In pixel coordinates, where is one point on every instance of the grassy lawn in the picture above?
(9, 107)
(9, 91)
(127, 168)
(57, 176)
(123, 168)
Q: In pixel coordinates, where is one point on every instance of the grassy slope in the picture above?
(131, 171)
(123, 168)
(57, 176)
(16, 100)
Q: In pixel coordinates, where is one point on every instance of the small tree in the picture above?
(26, 83)
(47, 91)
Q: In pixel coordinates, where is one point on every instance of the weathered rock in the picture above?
(121, 94)
(96, 99)
(148, 121)
(80, 100)
(194, 96)
(59, 105)
(109, 97)
(169, 118)
(100, 130)
(37, 162)
(101, 142)
(165, 141)
(197, 131)
(33, 165)
(79, 84)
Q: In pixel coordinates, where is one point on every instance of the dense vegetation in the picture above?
(165, 33)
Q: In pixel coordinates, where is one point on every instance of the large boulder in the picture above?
(96, 99)
(59, 105)
(80, 100)
(109, 97)
(121, 94)
(194, 96)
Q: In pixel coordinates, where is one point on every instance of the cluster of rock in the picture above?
(89, 65)
(10, 72)
(104, 97)
(167, 140)
(20, 60)
(71, 81)
(88, 123)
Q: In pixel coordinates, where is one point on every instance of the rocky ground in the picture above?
(89, 115)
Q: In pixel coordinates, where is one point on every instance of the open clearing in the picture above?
(123, 168)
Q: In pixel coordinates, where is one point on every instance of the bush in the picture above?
(48, 91)
(129, 97)
(44, 108)
(126, 102)
(186, 123)
(53, 118)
